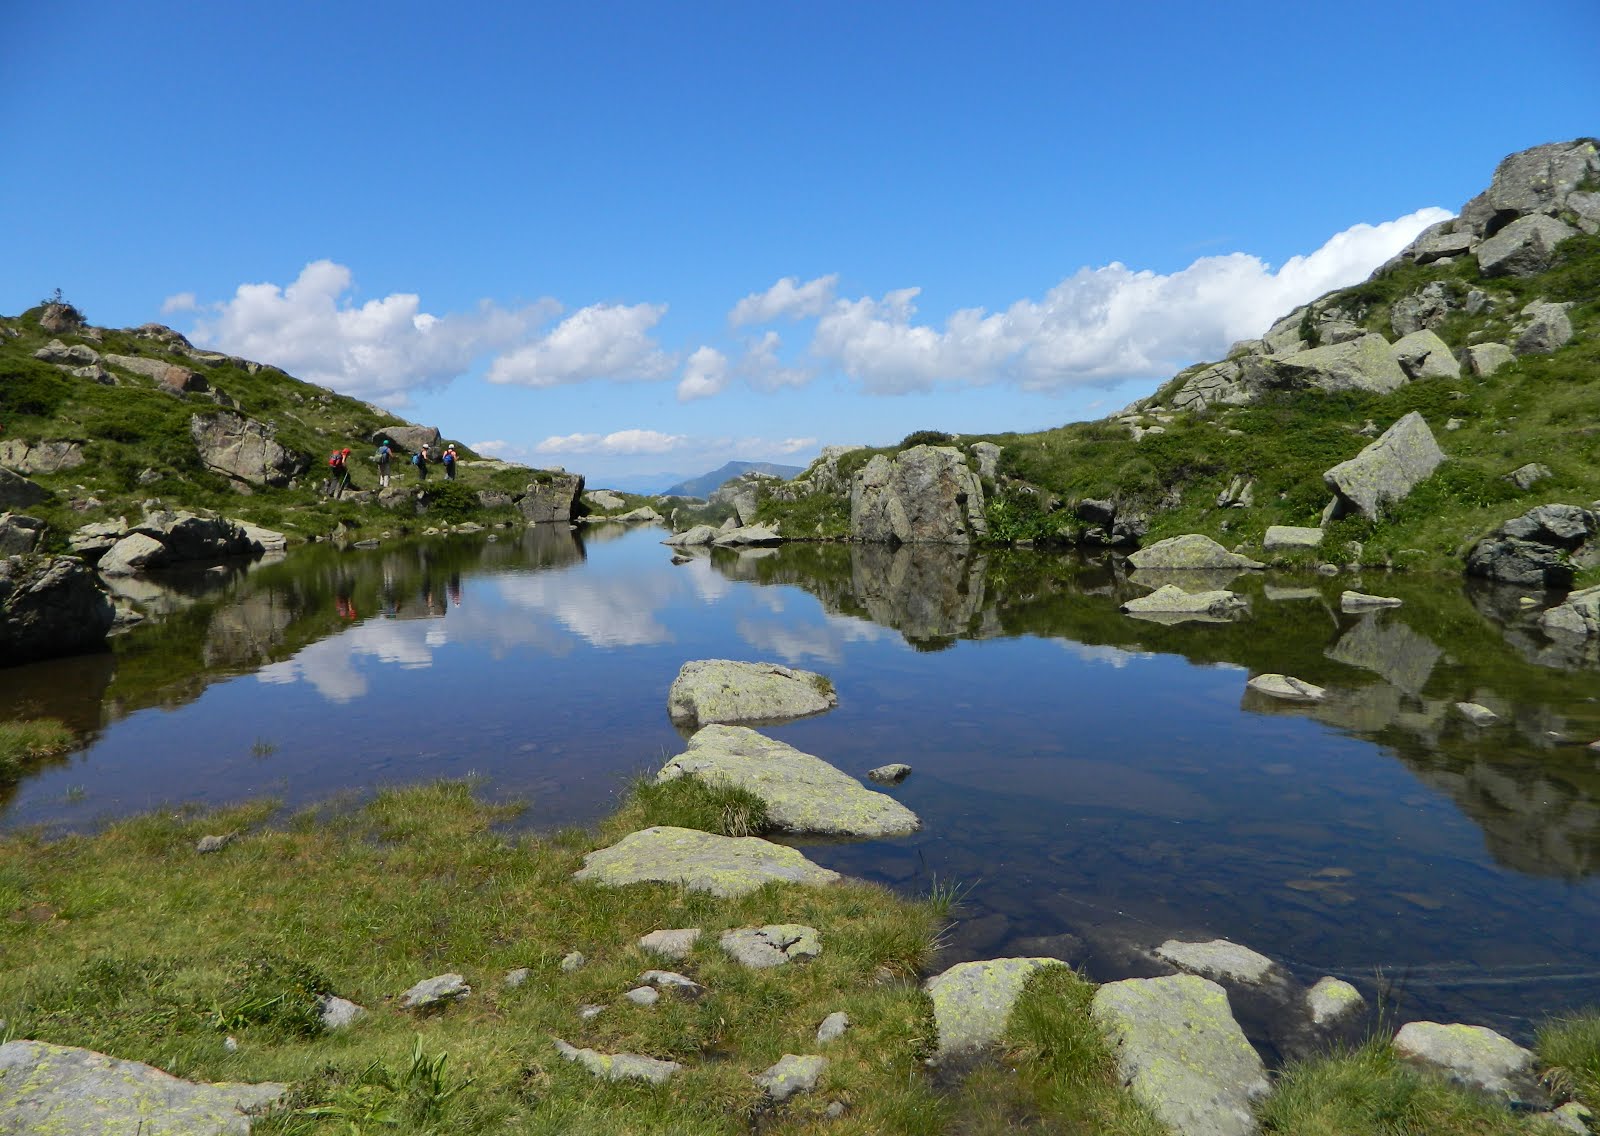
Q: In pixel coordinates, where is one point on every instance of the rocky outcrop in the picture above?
(1385, 471)
(803, 793)
(744, 494)
(41, 457)
(1537, 180)
(1364, 364)
(164, 538)
(724, 690)
(721, 865)
(243, 449)
(19, 533)
(60, 319)
(1577, 617)
(57, 1088)
(17, 492)
(822, 476)
(1548, 327)
(1190, 551)
(924, 495)
(1428, 306)
(168, 376)
(1110, 523)
(776, 944)
(1542, 548)
(408, 439)
(1525, 247)
(50, 606)
(1220, 384)
(972, 1002)
(551, 497)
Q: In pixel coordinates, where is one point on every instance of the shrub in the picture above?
(925, 438)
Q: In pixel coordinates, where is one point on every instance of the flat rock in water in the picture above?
(1171, 604)
(62, 1089)
(1217, 959)
(673, 944)
(619, 1066)
(693, 537)
(1333, 999)
(776, 944)
(722, 865)
(436, 991)
(1477, 714)
(1360, 601)
(1472, 1055)
(972, 1002)
(1182, 1054)
(1287, 688)
(791, 1075)
(802, 793)
(722, 690)
(1191, 550)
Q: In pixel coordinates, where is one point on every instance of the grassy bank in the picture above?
(25, 741)
(133, 943)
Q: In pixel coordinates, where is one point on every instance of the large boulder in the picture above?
(1578, 616)
(1283, 538)
(1537, 180)
(1548, 328)
(1542, 548)
(724, 690)
(700, 861)
(243, 449)
(408, 439)
(168, 376)
(19, 533)
(17, 492)
(60, 318)
(1423, 355)
(50, 606)
(58, 1088)
(802, 793)
(134, 553)
(1484, 359)
(1473, 1055)
(1191, 550)
(550, 497)
(1525, 247)
(972, 1002)
(1387, 470)
(1181, 1052)
(924, 495)
(1364, 364)
(41, 457)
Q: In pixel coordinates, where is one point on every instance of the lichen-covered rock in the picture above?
(243, 449)
(724, 690)
(619, 1066)
(1578, 616)
(1219, 384)
(792, 1074)
(408, 439)
(1387, 470)
(1191, 550)
(1423, 355)
(1541, 179)
(1541, 548)
(722, 865)
(550, 497)
(1217, 958)
(1287, 688)
(972, 1002)
(776, 944)
(1171, 604)
(50, 606)
(1484, 359)
(1181, 1052)
(802, 792)
(1472, 1055)
(1526, 247)
(924, 495)
(62, 1089)
(1332, 1000)
(1364, 364)
(1282, 538)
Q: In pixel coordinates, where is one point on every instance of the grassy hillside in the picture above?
(1541, 408)
(137, 445)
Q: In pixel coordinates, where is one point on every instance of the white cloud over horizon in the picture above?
(601, 341)
(704, 374)
(617, 442)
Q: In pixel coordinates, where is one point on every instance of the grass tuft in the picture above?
(23, 742)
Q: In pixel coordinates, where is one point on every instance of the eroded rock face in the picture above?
(972, 1002)
(17, 492)
(50, 606)
(1387, 470)
(57, 1088)
(244, 449)
(724, 690)
(721, 865)
(924, 495)
(802, 793)
(551, 498)
(40, 457)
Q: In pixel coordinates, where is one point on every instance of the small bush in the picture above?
(925, 438)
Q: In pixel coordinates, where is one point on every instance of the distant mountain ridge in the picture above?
(707, 483)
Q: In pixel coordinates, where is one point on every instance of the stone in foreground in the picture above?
(1171, 604)
(1217, 959)
(776, 944)
(833, 1027)
(725, 866)
(972, 1002)
(1332, 999)
(791, 1075)
(1360, 601)
(1183, 1055)
(802, 793)
(722, 690)
(672, 944)
(1191, 550)
(1472, 1055)
(62, 1089)
(1286, 687)
(437, 991)
(619, 1066)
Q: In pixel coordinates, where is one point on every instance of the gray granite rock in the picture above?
(1387, 470)
(1171, 604)
(776, 944)
(972, 1002)
(722, 865)
(619, 1066)
(1548, 329)
(1526, 247)
(1423, 355)
(1217, 958)
(1472, 1055)
(439, 990)
(19, 533)
(792, 1074)
(1578, 616)
(1280, 538)
(516, 977)
(708, 691)
(572, 960)
(1484, 359)
(923, 495)
(209, 844)
(1333, 1000)
(672, 944)
(338, 1013)
(678, 985)
(833, 1027)
(1287, 688)
(643, 996)
(693, 537)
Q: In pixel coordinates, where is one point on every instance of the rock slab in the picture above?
(619, 1066)
(1387, 470)
(776, 944)
(1217, 959)
(721, 865)
(1472, 1055)
(972, 1002)
(725, 690)
(792, 1074)
(802, 793)
(1286, 687)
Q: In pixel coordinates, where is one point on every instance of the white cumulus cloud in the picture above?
(379, 350)
(602, 341)
(617, 442)
(763, 370)
(704, 374)
(787, 298)
(1099, 325)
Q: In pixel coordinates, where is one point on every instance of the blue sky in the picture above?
(626, 237)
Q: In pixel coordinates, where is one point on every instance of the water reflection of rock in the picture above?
(928, 594)
(1389, 648)
(1507, 606)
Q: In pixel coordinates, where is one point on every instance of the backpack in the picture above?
(416, 459)
(336, 459)
(449, 457)
(382, 455)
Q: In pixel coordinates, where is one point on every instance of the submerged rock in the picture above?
(891, 774)
(722, 865)
(1360, 601)
(724, 690)
(972, 1002)
(1332, 1000)
(1477, 714)
(802, 793)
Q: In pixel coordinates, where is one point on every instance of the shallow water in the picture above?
(1098, 782)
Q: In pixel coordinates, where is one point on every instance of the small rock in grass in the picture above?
(515, 978)
(673, 944)
(337, 1013)
(791, 1075)
(573, 961)
(437, 991)
(1332, 999)
(673, 982)
(891, 774)
(772, 945)
(833, 1027)
(619, 1066)
(834, 1110)
(1477, 714)
(231, 1044)
(590, 1011)
(213, 843)
(643, 996)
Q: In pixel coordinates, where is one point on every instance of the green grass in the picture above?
(1569, 1047)
(26, 741)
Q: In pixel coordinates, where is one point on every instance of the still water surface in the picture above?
(1099, 782)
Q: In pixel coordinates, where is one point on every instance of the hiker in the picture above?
(450, 462)
(339, 472)
(385, 452)
(420, 460)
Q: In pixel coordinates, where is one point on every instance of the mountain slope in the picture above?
(708, 483)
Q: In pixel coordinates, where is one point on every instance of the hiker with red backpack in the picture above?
(338, 472)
